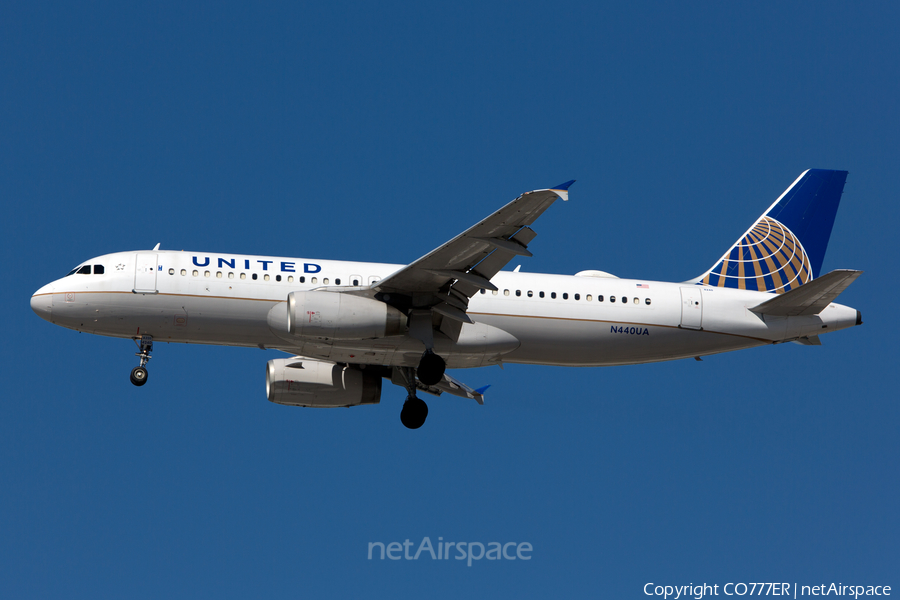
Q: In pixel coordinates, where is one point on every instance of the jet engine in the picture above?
(305, 382)
(333, 315)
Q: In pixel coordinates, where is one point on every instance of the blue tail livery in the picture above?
(784, 248)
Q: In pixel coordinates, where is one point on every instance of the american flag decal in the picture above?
(644, 286)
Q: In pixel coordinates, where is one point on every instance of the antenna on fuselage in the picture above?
(156, 247)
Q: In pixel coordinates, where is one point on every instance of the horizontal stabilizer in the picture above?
(810, 298)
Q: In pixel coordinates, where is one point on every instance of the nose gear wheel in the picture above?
(139, 374)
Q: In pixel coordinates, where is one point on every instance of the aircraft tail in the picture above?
(785, 247)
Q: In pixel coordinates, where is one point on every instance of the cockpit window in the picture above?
(86, 270)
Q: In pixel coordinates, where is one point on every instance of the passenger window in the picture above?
(85, 270)
(278, 278)
(195, 273)
(218, 274)
(624, 299)
(578, 296)
(253, 277)
(482, 290)
(171, 271)
(541, 294)
(243, 276)
(588, 297)
(506, 292)
(565, 295)
(290, 278)
(337, 282)
(553, 295)
(600, 298)
(98, 270)
(637, 300)
(302, 279)
(206, 273)
(266, 276)
(183, 272)
(612, 298)
(494, 292)
(518, 292)
(314, 280)
(530, 294)
(356, 282)
(647, 301)
(230, 275)
(325, 281)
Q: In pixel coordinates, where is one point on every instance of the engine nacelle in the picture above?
(333, 315)
(305, 382)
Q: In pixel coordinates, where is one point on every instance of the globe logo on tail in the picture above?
(769, 258)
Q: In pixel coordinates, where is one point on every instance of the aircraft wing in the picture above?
(455, 271)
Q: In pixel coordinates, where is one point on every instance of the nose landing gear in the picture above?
(139, 374)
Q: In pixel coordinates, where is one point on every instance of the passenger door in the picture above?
(145, 273)
(691, 307)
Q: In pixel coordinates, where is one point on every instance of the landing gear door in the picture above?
(691, 307)
(145, 274)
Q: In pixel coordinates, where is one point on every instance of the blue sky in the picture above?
(376, 132)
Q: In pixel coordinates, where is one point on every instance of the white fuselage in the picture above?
(534, 318)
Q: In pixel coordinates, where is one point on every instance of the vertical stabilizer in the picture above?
(786, 246)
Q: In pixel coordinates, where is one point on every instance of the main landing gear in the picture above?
(430, 372)
(139, 374)
(431, 368)
(415, 411)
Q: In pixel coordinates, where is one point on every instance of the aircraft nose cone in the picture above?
(41, 302)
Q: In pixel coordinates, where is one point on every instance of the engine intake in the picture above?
(306, 382)
(333, 315)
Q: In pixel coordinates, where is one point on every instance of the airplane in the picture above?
(348, 326)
